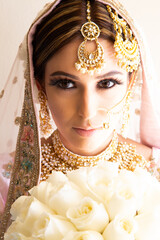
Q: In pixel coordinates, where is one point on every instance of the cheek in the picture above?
(62, 109)
(114, 96)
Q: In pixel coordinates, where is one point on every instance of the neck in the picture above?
(87, 149)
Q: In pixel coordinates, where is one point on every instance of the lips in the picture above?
(86, 132)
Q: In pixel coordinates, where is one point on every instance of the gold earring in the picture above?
(44, 116)
(126, 108)
(126, 46)
(126, 115)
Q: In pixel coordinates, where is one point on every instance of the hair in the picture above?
(62, 25)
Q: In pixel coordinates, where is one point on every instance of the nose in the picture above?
(87, 104)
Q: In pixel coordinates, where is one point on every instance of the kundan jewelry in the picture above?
(126, 46)
(44, 116)
(90, 62)
(56, 157)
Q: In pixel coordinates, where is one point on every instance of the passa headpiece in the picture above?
(90, 62)
(126, 46)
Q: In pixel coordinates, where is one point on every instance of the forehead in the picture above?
(65, 58)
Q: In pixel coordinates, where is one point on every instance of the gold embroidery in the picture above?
(2, 93)
(14, 80)
(25, 172)
(17, 120)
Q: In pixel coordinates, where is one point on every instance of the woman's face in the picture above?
(78, 101)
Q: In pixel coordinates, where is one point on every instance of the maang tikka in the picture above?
(90, 62)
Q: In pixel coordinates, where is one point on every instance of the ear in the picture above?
(38, 85)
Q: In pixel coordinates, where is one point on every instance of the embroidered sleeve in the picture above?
(154, 167)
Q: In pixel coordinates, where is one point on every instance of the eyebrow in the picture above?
(64, 74)
(109, 74)
(77, 78)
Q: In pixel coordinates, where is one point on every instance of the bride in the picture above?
(69, 97)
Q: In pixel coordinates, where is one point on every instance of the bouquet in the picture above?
(91, 203)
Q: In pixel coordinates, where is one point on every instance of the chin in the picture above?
(89, 142)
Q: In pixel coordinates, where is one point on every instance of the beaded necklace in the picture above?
(57, 157)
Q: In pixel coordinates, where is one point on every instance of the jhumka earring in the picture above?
(126, 107)
(127, 53)
(126, 46)
(44, 116)
(90, 62)
(126, 115)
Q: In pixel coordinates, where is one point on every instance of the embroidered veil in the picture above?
(20, 146)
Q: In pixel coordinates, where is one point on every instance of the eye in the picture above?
(108, 83)
(63, 83)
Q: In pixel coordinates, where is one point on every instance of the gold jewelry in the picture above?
(126, 108)
(90, 62)
(57, 157)
(106, 125)
(44, 116)
(83, 161)
(126, 115)
(126, 46)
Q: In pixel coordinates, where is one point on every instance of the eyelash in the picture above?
(66, 81)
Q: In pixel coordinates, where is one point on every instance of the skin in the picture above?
(75, 99)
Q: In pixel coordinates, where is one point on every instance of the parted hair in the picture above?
(62, 25)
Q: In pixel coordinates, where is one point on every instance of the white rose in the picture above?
(127, 196)
(57, 178)
(43, 191)
(50, 227)
(17, 231)
(101, 180)
(88, 215)
(151, 199)
(28, 208)
(16, 208)
(95, 182)
(148, 225)
(46, 227)
(132, 180)
(123, 202)
(121, 228)
(59, 197)
(65, 197)
(17, 236)
(150, 190)
(86, 235)
(145, 178)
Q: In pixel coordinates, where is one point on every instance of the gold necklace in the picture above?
(83, 161)
(57, 157)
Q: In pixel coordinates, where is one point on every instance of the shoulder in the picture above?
(141, 149)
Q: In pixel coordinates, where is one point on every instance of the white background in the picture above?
(17, 15)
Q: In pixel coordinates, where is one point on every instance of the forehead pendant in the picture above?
(90, 62)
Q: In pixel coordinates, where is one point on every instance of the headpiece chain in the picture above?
(90, 62)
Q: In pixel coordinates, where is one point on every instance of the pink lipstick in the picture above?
(86, 132)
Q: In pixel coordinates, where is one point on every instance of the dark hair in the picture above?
(62, 25)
